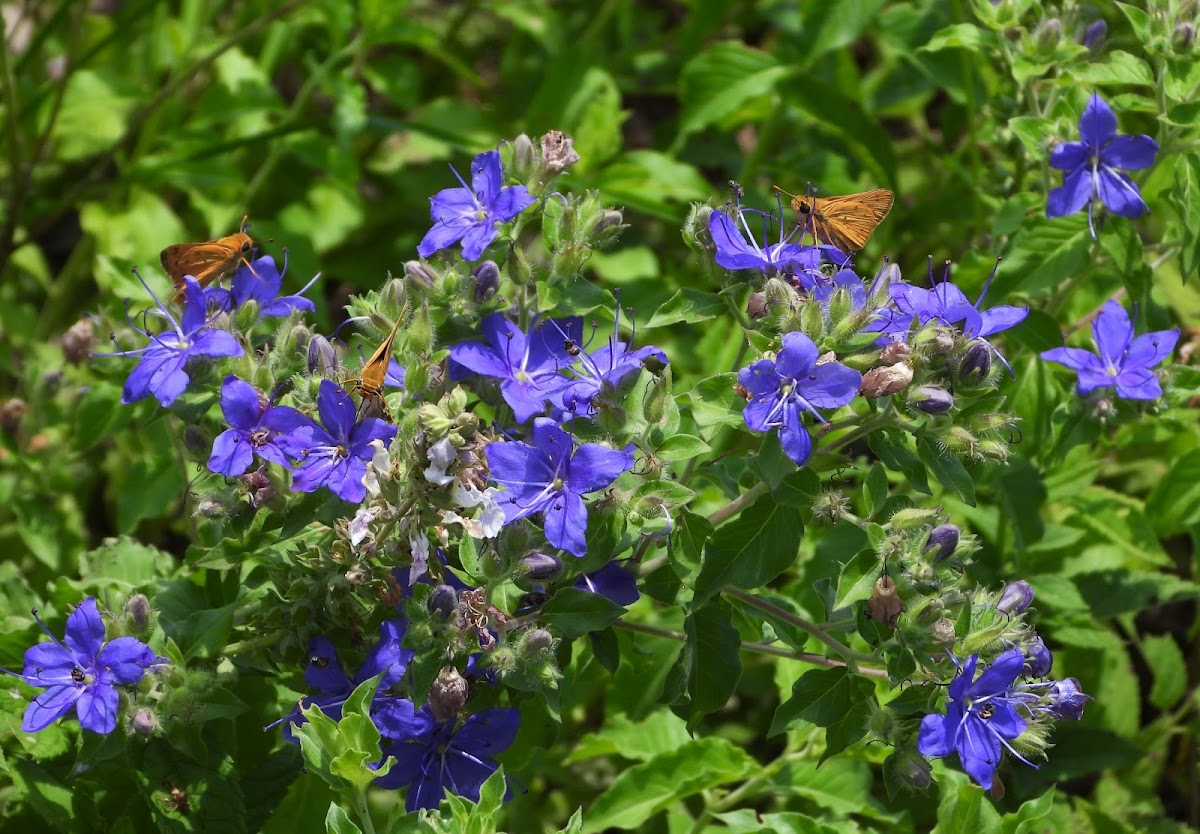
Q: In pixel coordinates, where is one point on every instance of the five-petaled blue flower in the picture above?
(82, 672)
(980, 718)
(336, 455)
(529, 364)
(550, 476)
(256, 427)
(325, 675)
(471, 214)
(736, 250)
(160, 369)
(434, 758)
(783, 388)
(260, 282)
(1090, 167)
(604, 368)
(1124, 362)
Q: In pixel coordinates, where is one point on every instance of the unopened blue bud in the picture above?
(976, 362)
(1038, 659)
(1067, 700)
(541, 567)
(932, 400)
(487, 280)
(943, 539)
(443, 601)
(1094, 33)
(322, 359)
(1016, 597)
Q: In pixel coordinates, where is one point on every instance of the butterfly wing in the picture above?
(848, 222)
(375, 369)
(206, 262)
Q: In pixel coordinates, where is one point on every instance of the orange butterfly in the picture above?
(369, 385)
(209, 261)
(845, 222)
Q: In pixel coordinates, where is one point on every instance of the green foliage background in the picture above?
(131, 125)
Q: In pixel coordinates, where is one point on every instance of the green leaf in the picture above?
(714, 402)
(337, 821)
(660, 732)
(751, 550)
(1026, 819)
(1046, 252)
(712, 653)
(875, 490)
(857, 579)
(687, 555)
(1185, 200)
(1166, 660)
(573, 613)
(718, 81)
(682, 447)
(1174, 503)
(948, 470)
(964, 807)
(1120, 68)
(341, 753)
(688, 306)
(831, 698)
(643, 790)
(892, 448)
(960, 36)
(833, 26)
(51, 799)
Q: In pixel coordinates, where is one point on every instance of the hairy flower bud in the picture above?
(1015, 598)
(421, 273)
(558, 152)
(976, 363)
(540, 567)
(447, 694)
(931, 400)
(944, 540)
(756, 307)
(895, 352)
(1094, 33)
(322, 359)
(524, 155)
(1049, 33)
(78, 340)
(885, 605)
(1038, 659)
(11, 414)
(538, 640)
(882, 382)
(487, 280)
(606, 225)
(144, 722)
(910, 768)
(942, 632)
(830, 506)
(137, 609)
(443, 601)
(1184, 35)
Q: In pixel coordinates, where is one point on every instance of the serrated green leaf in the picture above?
(687, 306)
(751, 550)
(719, 80)
(337, 821)
(682, 447)
(573, 613)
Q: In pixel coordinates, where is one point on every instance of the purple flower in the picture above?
(551, 476)
(433, 758)
(1124, 362)
(603, 369)
(981, 718)
(336, 456)
(395, 376)
(1090, 167)
(256, 427)
(529, 364)
(82, 674)
(1067, 700)
(613, 582)
(739, 249)
(260, 282)
(1015, 598)
(1038, 659)
(783, 388)
(324, 674)
(471, 214)
(823, 287)
(160, 369)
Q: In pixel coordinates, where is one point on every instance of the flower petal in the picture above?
(935, 737)
(1113, 333)
(1130, 152)
(594, 467)
(1138, 384)
(793, 436)
(1119, 194)
(733, 252)
(1077, 359)
(240, 403)
(978, 750)
(1075, 192)
(510, 202)
(797, 357)
(232, 453)
(1150, 349)
(1068, 156)
(566, 523)
(47, 707)
(97, 708)
(336, 409)
(324, 673)
(85, 631)
(830, 385)
(998, 677)
(125, 660)
(1001, 318)
(486, 177)
(1097, 124)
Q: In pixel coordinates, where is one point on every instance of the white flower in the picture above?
(441, 455)
(488, 523)
(381, 464)
(419, 544)
(360, 527)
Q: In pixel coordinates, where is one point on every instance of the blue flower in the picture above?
(823, 287)
(1067, 700)
(161, 365)
(550, 476)
(471, 214)
(260, 282)
(736, 250)
(256, 427)
(433, 758)
(336, 456)
(1090, 167)
(529, 364)
(83, 674)
(783, 388)
(396, 375)
(324, 675)
(613, 582)
(981, 718)
(1124, 362)
(604, 368)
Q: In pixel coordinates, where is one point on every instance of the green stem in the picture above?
(364, 813)
(738, 504)
(254, 644)
(849, 655)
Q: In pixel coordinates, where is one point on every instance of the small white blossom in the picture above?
(360, 526)
(419, 543)
(441, 455)
(381, 464)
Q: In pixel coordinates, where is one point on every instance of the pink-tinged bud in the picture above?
(894, 352)
(558, 152)
(943, 539)
(882, 382)
(137, 609)
(447, 694)
(756, 307)
(932, 400)
(1016, 597)
(421, 273)
(144, 722)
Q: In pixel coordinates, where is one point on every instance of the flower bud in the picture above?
(322, 359)
(910, 518)
(605, 225)
(421, 273)
(942, 632)
(144, 722)
(894, 352)
(487, 280)
(197, 442)
(1049, 33)
(882, 382)
(1184, 35)
(756, 307)
(540, 567)
(528, 603)
(976, 363)
(77, 342)
(1015, 598)
(931, 400)
(1038, 659)
(11, 414)
(258, 486)
(910, 768)
(523, 157)
(558, 152)
(1094, 33)
(941, 343)
(830, 506)
(944, 540)
(137, 609)
(538, 640)
(447, 694)
(443, 601)
(885, 605)
(1067, 700)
